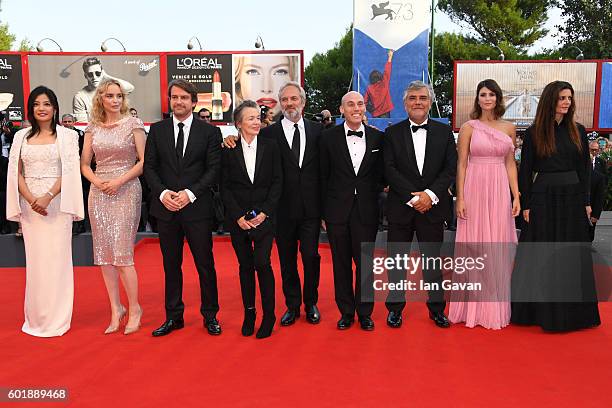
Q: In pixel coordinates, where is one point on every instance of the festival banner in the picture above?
(605, 96)
(390, 50)
(74, 78)
(11, 87)
(522, 83)
(213, 77)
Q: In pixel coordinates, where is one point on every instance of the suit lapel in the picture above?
(343, 147)
(240, 159)
(408, 143)
(193, 133)
(430, 147)
(259, 156)
(169, 135)
(309, 150)
(368, 153)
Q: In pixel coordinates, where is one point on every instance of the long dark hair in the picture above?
(36, 92)
(500, 107)
(544, 122)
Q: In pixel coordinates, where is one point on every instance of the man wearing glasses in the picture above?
(94, 73)
(204, 114)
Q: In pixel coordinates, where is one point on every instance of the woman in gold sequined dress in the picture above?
(117, 141)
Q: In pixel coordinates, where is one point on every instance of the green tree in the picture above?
(328, 76)
(519, 23)
(587, 25)
(6, 38)
(511, 25)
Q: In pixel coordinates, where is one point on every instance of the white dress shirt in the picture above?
(419, 140)
(289, 129)
(249, 152)
(356, 146)
(187, 122)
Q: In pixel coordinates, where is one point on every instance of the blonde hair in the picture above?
(241, 60)
(98, 115)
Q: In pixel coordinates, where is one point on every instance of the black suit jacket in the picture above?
(300, 193)
(197, 172)
(339, 181)
(239, 194)
(402, 173)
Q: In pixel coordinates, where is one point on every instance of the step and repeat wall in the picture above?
(223, 79)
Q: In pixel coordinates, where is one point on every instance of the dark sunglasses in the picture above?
(95, 73)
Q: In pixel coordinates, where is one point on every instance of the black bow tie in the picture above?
(417, 127)
(358, 133)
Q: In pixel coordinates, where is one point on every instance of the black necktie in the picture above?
(417, 127)
(180, 141)
(357, 133)
(295, 144)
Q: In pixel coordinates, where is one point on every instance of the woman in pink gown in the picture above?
(117, 140)
(486, 175)
(44, 195)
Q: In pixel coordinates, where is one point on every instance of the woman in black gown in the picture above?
(553, 284)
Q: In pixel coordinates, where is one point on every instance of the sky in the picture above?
(156, 25)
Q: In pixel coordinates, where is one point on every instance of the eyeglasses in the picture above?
(94, 73)
(205, 117)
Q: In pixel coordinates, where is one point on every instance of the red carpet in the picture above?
(304, 365)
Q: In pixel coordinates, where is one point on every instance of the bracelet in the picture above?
(51, 194)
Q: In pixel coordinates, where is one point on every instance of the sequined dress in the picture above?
(48, 247)
(114, 219)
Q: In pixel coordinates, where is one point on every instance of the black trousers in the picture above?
(288, 233)
(171, 237)
(430, 236)
(253, 252)
(345, 242)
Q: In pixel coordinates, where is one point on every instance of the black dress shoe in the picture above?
(168, 326)
(267, 325)
(345, 322)
(394, 319)
(248, 325)
(366, 323)
(289, 317)
(312, 314)
(212, 326)
(439, 319)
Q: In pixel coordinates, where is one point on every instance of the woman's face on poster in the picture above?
(261, 77)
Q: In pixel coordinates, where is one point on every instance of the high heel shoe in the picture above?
(248, 325)
(135, 327)
(113, 328)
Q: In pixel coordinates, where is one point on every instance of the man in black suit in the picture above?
(599, 185)
(352, 173)
(251, 184)
(182, 163)
(298, 208)
(420, 164)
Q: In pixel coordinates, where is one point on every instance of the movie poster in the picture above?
(522, 84)
(259, 77)
(74, 78)
(11, 87)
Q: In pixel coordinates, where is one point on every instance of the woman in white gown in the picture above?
(44, 194)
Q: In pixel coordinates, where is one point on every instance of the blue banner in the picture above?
(390, 50)
(605, 98)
